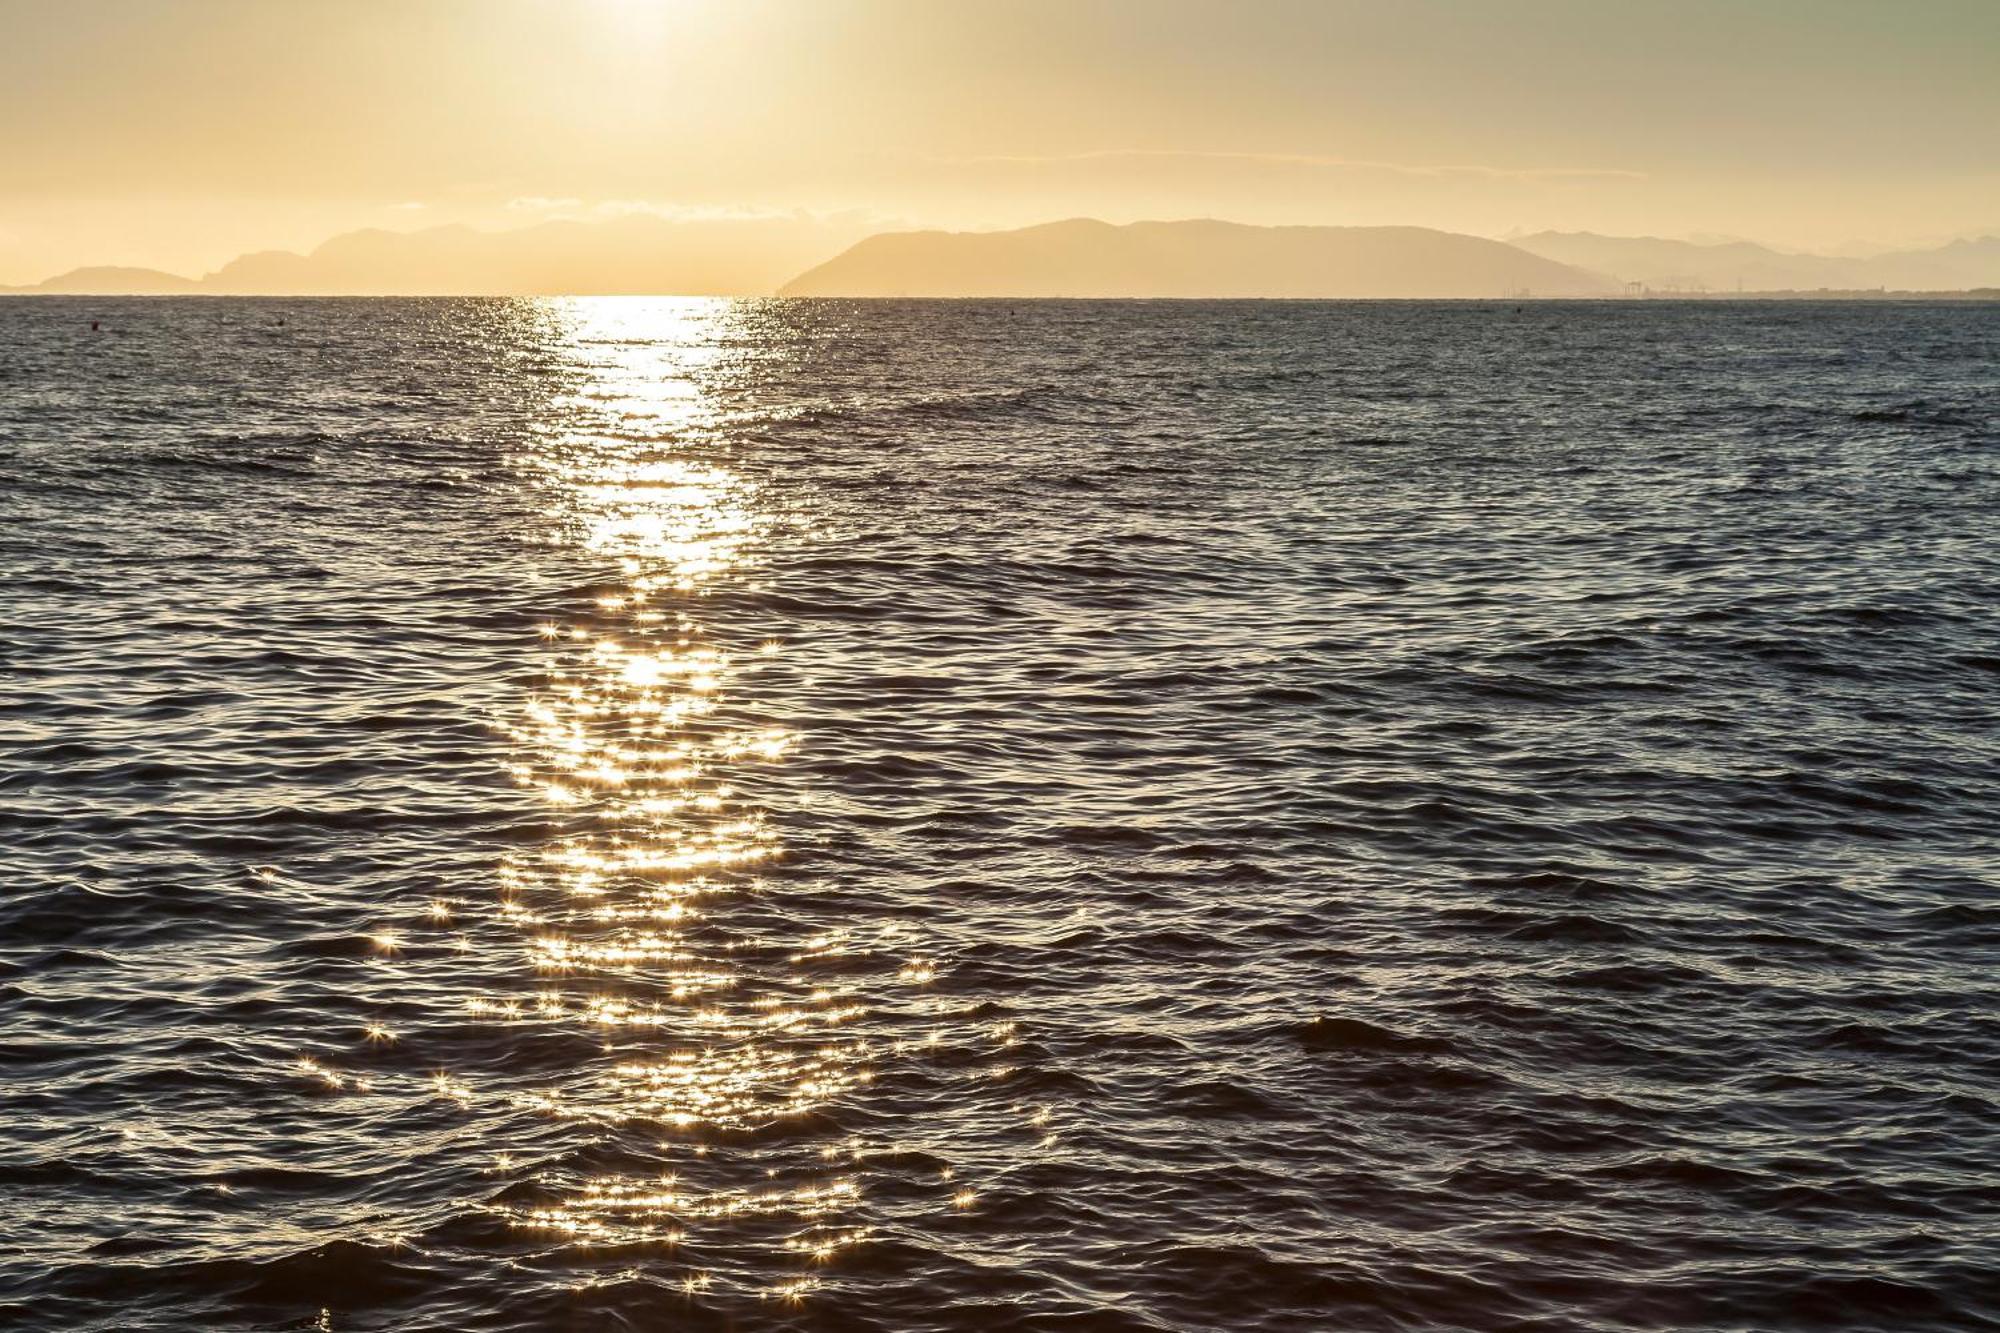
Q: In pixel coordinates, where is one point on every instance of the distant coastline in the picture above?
(1970, 295)
(1077, 258)
(1829, 294)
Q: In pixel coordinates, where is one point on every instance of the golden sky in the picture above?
(180, 133)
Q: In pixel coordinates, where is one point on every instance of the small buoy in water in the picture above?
(93, 326)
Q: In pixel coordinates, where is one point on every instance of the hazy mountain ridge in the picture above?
(1085, 258)
(1670, 265)
(801, 256)
(641, 253)
(112, 279)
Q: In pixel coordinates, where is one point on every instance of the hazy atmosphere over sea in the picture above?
(1069, 666)
(638, 814)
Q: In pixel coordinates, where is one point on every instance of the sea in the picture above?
(1149, 817)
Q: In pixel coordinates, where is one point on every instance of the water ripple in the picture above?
(998, 815)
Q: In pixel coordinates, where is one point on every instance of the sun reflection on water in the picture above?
(705, 1031)
(644, 918)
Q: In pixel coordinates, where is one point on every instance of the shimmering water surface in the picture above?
(648, 814)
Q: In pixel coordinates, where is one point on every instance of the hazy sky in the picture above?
(179, 133)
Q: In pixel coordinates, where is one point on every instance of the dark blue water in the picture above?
(625, 814)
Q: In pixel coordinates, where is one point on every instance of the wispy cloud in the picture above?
(1306, 161)
(601, 209)
(617, 208)
(625, 208)
(541, 203)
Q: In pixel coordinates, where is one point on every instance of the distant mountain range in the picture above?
(640, 253)
(111, 280)
(1192, 259)
(1686, 266)
(801, 256)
